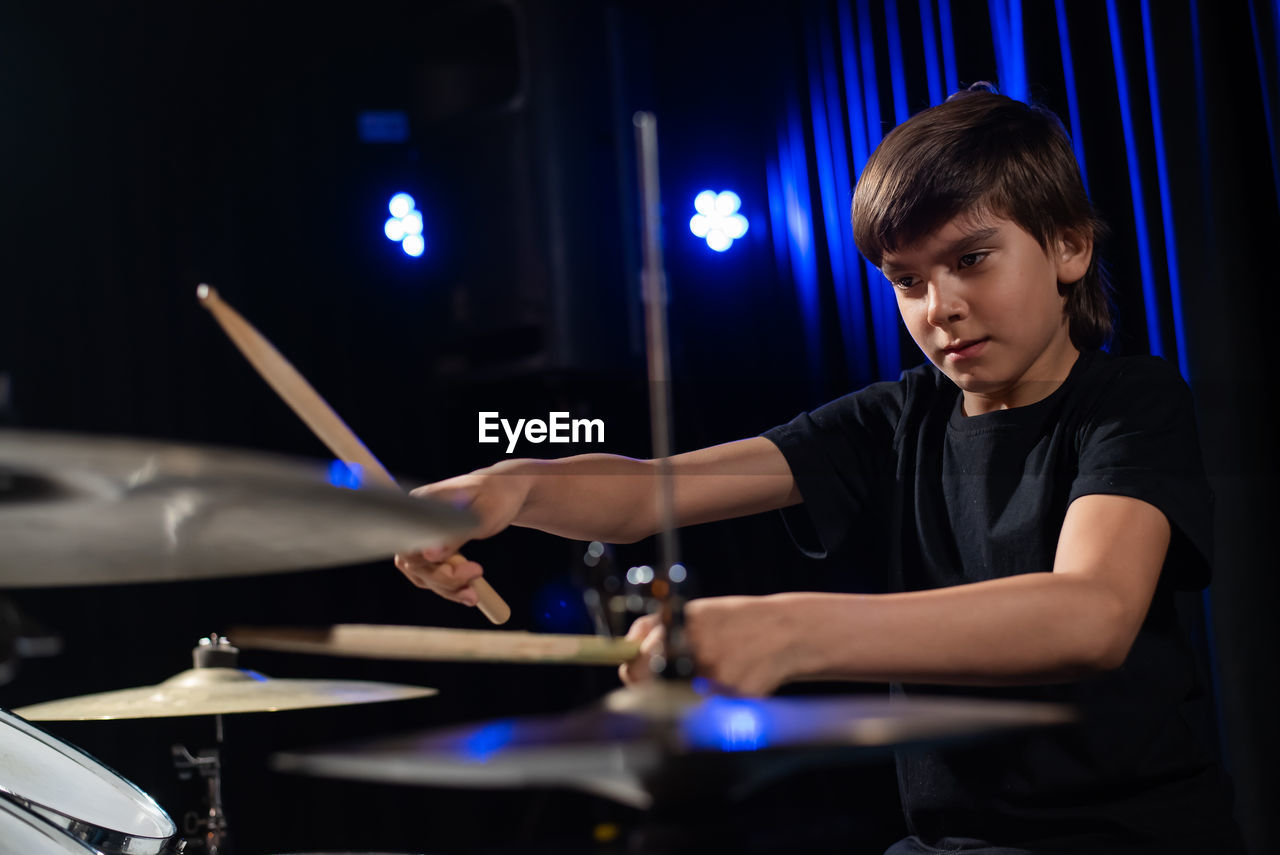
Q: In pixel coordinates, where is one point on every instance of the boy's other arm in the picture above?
(600, 497)
(1031, 628)
(616, 499)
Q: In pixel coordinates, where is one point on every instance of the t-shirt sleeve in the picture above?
(1141, 441)
(837, 454)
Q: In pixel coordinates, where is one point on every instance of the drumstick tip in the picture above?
(204, 293)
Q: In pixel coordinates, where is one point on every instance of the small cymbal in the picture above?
(79, 510)
(437, 644)
(219, 691)
(618, 748)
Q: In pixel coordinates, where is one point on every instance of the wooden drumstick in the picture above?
(436, 644)
(295, 391)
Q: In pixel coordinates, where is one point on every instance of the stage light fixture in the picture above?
(717, 220)
(405, 225)
(413, 245)
(412, 223)
(401, 204)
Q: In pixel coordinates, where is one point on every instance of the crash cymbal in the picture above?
(619, 747)
(219, 691)
(436, 644)
(80, 510)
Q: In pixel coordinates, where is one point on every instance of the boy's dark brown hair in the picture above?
(981, 152)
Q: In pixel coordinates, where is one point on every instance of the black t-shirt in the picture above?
(958, 499)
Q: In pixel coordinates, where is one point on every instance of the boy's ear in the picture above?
(1074, 251)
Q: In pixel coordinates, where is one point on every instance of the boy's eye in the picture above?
(903, 284)
(969, 259)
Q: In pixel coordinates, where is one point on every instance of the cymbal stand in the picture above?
(208, 764)
(212, 652)
(677, 660)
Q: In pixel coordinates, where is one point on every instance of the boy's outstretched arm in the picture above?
(1029, 628)
(599, 497)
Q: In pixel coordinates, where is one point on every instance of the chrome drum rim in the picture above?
(116, 818)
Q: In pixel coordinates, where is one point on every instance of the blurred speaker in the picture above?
(520, 126)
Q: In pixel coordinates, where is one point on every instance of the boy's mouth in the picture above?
(964, 349)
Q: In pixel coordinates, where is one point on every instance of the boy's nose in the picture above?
(945, 303)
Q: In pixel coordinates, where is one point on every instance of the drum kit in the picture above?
(85, 510)
(80, 510)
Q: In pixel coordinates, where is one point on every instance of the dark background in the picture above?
(149, 147)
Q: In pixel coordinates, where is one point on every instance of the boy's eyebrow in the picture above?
(972, 239)
(965, 241)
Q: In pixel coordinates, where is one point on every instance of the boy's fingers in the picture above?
(443, 551)
(635, 671)
(648, 630)
(450, 578)
(417, 562)
(652, 643)
(639, 628)
(464, 572)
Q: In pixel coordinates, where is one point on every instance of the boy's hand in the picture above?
(745, 645)
(495, 498)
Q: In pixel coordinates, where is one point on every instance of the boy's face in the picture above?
(980, 297)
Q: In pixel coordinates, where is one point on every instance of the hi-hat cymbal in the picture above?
(79, 510)
(219, 691)
(626, 747)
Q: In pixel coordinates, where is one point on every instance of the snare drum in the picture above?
(24, 833)
(77, 795)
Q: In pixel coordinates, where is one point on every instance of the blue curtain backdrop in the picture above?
(1172, 110)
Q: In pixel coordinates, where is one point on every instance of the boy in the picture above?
(1041, 501)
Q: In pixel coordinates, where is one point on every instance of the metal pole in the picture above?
(676, 662)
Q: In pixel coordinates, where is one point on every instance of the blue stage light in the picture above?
(705, 202)
(734, 226)
(727, 202)
(405, 225)
(414, 245)
(717, 220)
(718, 240)
(401, 204)
(412, 222)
